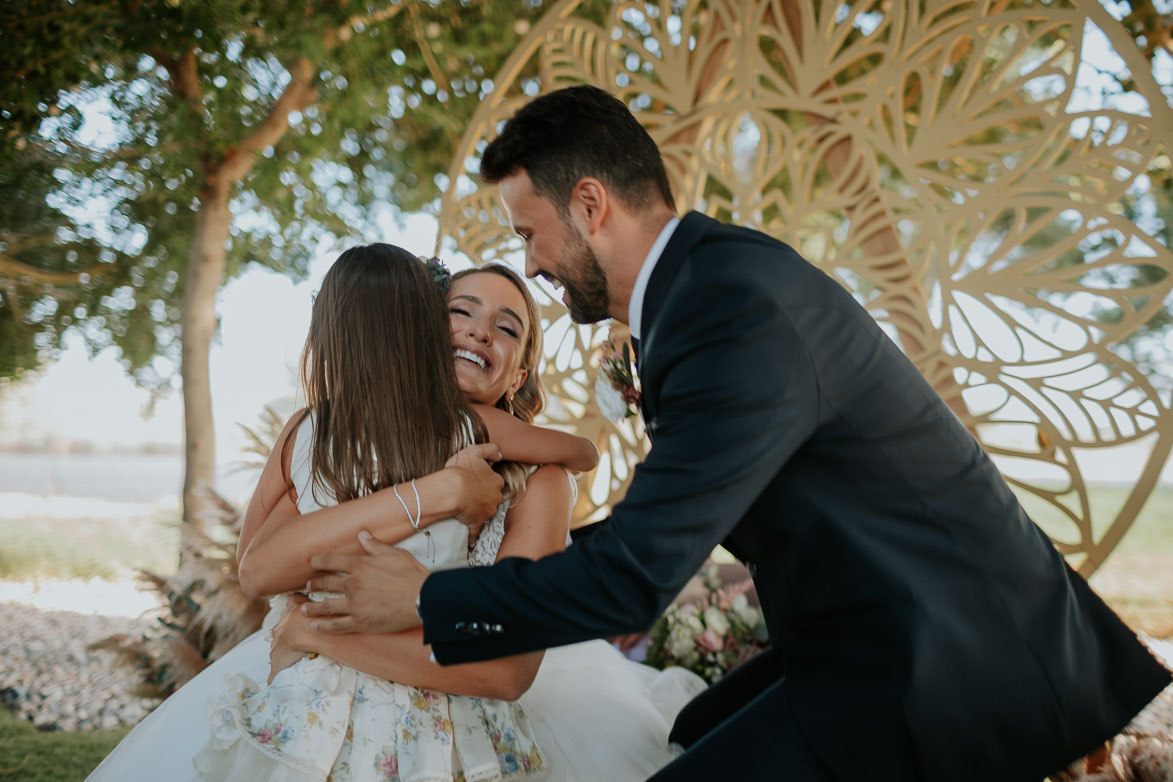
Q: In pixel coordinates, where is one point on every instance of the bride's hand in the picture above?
(287, 647)
(479, 487)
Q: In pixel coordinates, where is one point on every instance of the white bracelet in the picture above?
(414, 522)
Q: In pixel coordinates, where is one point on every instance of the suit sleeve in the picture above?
(737, 396)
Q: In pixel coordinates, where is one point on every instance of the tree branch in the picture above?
(426, 50)
(14, 304)
(1157, 28)
(185, 78)
(343, 33)
(12, 269)
(14, 242)
(298, 94)
(49, 147)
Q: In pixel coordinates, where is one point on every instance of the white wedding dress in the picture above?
(591, 714)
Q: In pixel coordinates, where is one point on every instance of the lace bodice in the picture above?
(484, 551)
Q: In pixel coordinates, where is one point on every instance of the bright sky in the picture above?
(264, 319)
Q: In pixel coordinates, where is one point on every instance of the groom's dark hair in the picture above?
(563, 136)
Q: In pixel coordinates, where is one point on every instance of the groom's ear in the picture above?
(589, 202)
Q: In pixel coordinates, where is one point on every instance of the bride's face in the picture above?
(489, 332)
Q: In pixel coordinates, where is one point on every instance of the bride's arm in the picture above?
(277, 541)
(536, 526)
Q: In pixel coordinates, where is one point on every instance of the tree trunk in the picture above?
(205, 271)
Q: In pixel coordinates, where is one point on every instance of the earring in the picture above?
(509, 404)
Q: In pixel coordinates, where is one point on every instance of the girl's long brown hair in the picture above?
(379, 375)
(530, 398)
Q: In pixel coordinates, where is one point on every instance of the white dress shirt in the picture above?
(635, 307)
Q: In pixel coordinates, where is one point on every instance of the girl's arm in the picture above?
(271, 488)
(275, 556)
(531, 444)
(536, 526)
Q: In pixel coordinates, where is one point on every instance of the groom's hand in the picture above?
(379, 589)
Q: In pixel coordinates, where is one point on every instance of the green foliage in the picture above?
(115, 117)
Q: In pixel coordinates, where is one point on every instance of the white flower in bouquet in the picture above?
(749, 615)
(610, 401)
(715, 620)
(681, 642)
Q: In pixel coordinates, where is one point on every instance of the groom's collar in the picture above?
(676, 249)
(636, 305)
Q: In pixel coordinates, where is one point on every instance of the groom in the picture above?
(923, 627)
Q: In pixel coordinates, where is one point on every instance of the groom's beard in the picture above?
(583, 280)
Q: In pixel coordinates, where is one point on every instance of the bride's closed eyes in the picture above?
(504, 323)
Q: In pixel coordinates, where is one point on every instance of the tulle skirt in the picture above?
(594, 715)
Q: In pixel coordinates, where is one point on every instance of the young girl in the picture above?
(383, 408)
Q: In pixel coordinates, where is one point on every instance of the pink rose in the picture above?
(389, 766)
(710, 640)
(265, 736)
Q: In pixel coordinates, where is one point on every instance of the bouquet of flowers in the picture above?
(711, 636)
(617, 387)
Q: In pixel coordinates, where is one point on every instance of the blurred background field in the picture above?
(1137, 578)
(72, 538)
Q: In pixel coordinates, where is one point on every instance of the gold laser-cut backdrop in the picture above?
(940, 159)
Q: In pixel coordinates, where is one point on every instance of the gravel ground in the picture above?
(48, 676)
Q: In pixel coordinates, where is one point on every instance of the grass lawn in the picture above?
(1137, 578)
(28, 755)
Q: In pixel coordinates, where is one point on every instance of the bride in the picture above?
(583, 699)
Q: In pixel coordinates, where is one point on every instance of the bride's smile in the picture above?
(489, 336)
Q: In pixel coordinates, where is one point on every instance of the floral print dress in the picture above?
(320, 720)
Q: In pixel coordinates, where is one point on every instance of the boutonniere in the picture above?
(616, 388)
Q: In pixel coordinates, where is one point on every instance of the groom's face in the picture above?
(555, 250)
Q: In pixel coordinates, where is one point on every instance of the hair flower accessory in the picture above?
(440, 274)
(616, 388)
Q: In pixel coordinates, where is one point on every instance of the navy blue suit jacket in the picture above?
(929, 629)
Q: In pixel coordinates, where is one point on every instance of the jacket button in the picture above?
(497, 629)
(461, 627)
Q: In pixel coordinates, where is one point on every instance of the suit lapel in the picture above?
(692, 226)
